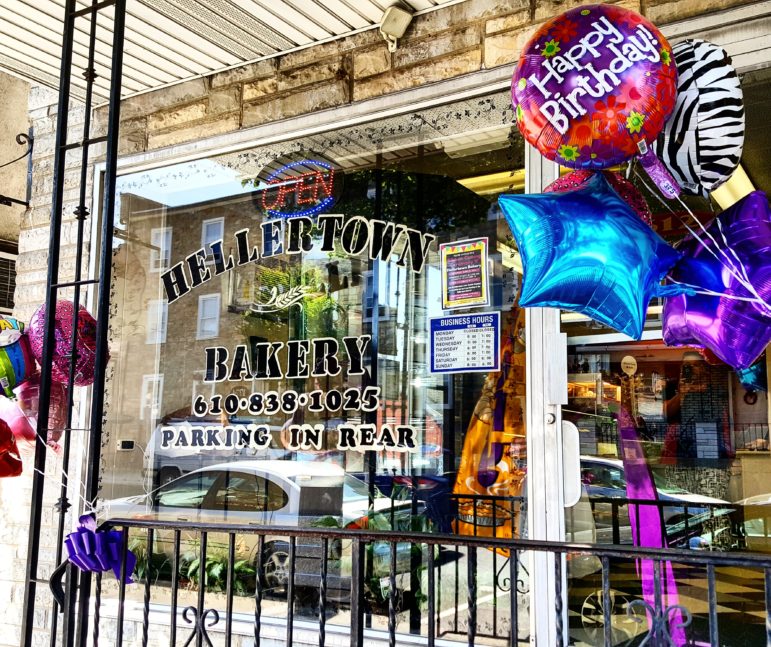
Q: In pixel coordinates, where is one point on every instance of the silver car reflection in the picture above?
(277, 493)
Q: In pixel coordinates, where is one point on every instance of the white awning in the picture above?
(168, 41)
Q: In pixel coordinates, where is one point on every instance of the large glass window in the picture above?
(342, 344)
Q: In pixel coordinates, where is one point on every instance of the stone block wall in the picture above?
(448, 43)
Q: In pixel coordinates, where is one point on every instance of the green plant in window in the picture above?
(155, 566)
(215, 572)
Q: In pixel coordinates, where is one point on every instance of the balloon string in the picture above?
(699, 290)
(745, 280)
(730, 249)
(690, 230)
(89, 507)
(723, 250)
(730, 265)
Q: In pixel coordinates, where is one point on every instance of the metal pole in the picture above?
(81, 212)
(38, 484)
(103, 310)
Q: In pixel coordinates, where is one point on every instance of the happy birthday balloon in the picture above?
(620, 184)
(16, 360)
(585, 250)
(735, 329)
(593, 86)
(702, 142)
(85, 344)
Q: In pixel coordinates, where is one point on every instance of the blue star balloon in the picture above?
(587, 251)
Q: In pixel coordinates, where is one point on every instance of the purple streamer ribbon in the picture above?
(98, 551)
(648, 527)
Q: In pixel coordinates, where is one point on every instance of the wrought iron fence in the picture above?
(320, 596)
(751, 436)
(744, 436)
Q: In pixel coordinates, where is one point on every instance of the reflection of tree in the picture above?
(432, 203)
(318, 310)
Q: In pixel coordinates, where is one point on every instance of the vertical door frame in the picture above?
(546, 351)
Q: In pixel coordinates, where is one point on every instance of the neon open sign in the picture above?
(301, 188)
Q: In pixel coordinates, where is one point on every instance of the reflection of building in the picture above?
(159, 353)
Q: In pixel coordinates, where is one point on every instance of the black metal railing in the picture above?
(751, 436)
(189, 609)
(740, 436)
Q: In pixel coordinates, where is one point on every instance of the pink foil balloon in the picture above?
(620, 184)
(85, 344)
(21, 415)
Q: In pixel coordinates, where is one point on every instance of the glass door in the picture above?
(674, 454)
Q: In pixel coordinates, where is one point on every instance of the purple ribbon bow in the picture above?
(98, 550)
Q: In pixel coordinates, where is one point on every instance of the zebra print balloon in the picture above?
(701, 143)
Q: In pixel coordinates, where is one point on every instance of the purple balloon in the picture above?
(737, 331)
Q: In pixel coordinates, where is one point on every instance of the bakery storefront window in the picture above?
(325, 332)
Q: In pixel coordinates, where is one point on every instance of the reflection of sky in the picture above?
(183, 184)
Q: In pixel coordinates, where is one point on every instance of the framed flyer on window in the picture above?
(464, 274)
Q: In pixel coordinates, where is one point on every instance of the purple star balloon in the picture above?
(733, 324)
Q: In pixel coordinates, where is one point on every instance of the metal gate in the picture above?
(75, 616)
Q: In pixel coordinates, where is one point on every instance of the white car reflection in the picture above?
(163, 464)
(275, 493)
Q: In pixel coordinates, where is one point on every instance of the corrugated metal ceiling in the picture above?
(168, 41)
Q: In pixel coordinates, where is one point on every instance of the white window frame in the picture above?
(157, 321)
(204, 243)
(208, 297)
(160, 257)
(201, 387)
(152, 381)
(14, 258)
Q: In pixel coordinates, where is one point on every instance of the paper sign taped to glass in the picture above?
(464, 274)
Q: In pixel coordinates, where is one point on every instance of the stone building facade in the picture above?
(357, 73)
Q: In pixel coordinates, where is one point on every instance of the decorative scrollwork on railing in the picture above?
(503, 578)
(199, 623)
(21, 139)
(662, 621)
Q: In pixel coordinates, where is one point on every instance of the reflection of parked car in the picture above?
(750, 528)
(165, 462)
(275, 493)
(605, 478)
